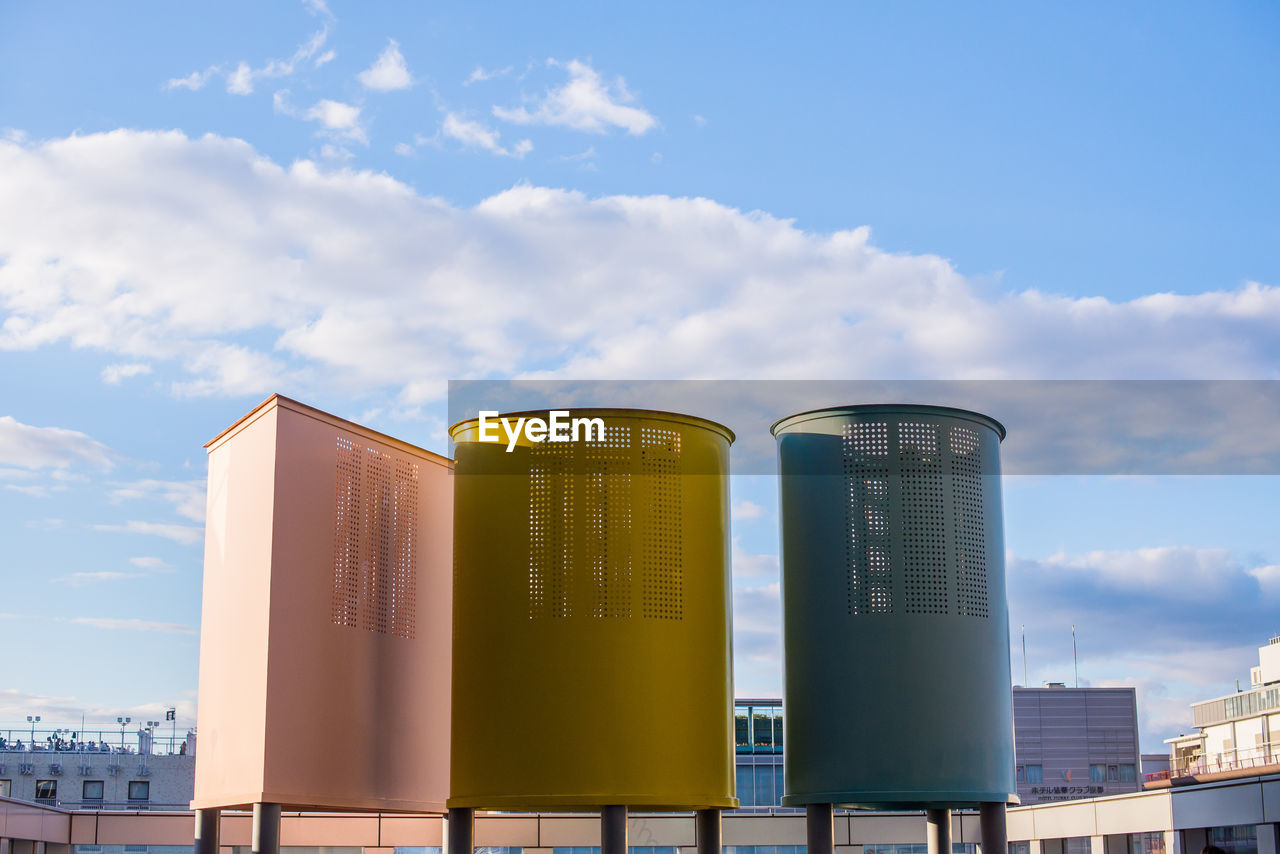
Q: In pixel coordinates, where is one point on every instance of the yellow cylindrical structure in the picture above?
(592, 634)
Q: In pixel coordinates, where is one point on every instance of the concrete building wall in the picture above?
(170, 779)
(1177, 821)
(1060, 732)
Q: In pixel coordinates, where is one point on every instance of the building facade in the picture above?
(1238, 733)
(1242, 816)
(1074, 743)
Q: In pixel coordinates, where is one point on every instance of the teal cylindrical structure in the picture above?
(895, 620)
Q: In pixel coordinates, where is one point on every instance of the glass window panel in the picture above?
(1128, 773)
(764, 786)
(742, 731)
(1237, 839)
(1035, 773)
(761, 729)
(746, 786)
(46, 789)
(1097, 773)
(92, 790)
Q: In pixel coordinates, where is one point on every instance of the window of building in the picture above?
(1022, 773)
(1238, 839)
(1113, 773)
(746, 786)
(91, 791)
(1077, 845)
(762, 729)
(1128, 773)
(139, 790)
(1097, 773)
(46, 790)
(764, 787)
(1146, 843)
(6, 786)
(1019, 848)
(742, 732)
(1035, 773)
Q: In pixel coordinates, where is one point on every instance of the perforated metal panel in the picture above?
(868, 551)
(893, 587)
(662, 552)
(587, 555)
(928, 478)
(374, 534)
(592, 578)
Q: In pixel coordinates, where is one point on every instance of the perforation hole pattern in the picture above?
(629, 568)
(914, 510)
(968, 526)
(868, 552)
(374, 541)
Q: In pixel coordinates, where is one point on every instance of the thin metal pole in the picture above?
(206, 839)
(462, 830)
(708, 826)
(266, 829)
(613, 830)
(1025, 683)
(1075, 657)
(820, 828)
(938, 831)
(993, 821)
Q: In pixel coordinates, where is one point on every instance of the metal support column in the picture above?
(462, 830)
(994, 821)
(939, 831)
(266, 829)
(613, 830)
(820, 828)
(206, 838)
(708, 827)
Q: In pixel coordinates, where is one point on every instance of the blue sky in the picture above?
(353, 204)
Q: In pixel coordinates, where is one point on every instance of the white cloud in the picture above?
(97, 716)
(241, 78)
(585, 103)
(757, 624)
(342, 119)
(152, 563)
(475, 135)
(388, 72)
(1166, 568)
(187, 535)
(186, 496)
(29, 447)
(744, 509)
(193, 81)
(113, 374)
(298, 277)
(34, 490)
(80, 579)
(1268, 578)
(404, 149)
(752, 566)
(318, 7)
(134, 625)
(700, 121)
(480, 74)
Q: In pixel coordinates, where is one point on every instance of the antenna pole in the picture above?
(1025, 683)
(1075, 657)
